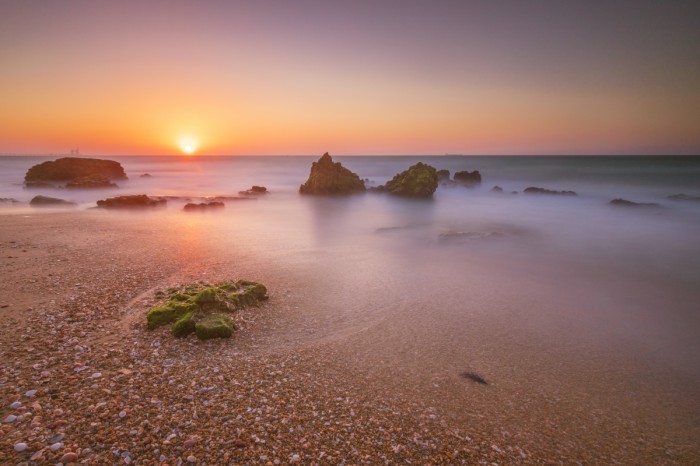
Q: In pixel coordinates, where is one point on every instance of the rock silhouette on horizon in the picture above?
(420, 180)
(69, 169)
(331, 178)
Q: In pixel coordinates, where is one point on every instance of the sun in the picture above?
(188, 145)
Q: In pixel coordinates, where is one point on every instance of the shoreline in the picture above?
(384, 387)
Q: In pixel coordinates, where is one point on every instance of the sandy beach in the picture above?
(312, 376)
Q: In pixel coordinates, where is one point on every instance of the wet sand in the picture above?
(357, 356)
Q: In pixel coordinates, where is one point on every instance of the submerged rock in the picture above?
(46, 201)
(625, 203)
(133, 201)
(420, 180)
(8, 200)
(255, 191)
(329, 178)
(146, 175)
(468, 178)
(497, 189)
(203, 206)
(536, 190)
(90, 182)
(205, 309)
(71, 168)
(443, 175)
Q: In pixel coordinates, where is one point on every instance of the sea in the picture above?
(578, 266)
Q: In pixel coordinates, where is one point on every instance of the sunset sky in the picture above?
(354, 77)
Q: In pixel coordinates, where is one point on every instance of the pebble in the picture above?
(295, 458)
(69, 457)
(15, 405)
(10, 418)
(20, 447)
(122, 414)
(191, 459)
(96, 375)
(30, 393)
(189, 443)
(55, 438)
(56, 446)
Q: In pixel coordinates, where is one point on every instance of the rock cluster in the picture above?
(331, 178)
(255, 191)
(205, 309)
(536, 190)
(133, 201)
(625, 203)
(68, 169)
(468, 178)
(191, 206)
(420, 180)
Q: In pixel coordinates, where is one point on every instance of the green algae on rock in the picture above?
(420, 180)
(331, 178)
(204, 309)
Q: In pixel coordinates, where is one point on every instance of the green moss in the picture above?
(160, 315)
(206, 296)
(229, 286)
(180, 297)
(214, 326)
(184, 325)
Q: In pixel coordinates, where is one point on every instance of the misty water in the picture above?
(525, 290)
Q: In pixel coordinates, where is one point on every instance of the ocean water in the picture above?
(605, 273)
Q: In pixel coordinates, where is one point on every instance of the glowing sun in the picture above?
(187, 145)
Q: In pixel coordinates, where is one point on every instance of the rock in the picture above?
(536, 190)
(8, 200)
(10, 419)
(30, 393)
(496, 189)
(56, 446)
(68, 457)
(191, 459)
(189, 443)
(133, 201)
(443, 175)
(15, 405)
(255, 191)
(55, 438)
(203, 309)
(331, 178)
(91, 182)
(468, 178)
(46, 201)
(20, 447)
(70, 168)
(203, 206)
(420, 180)
(684, 197)
(146, 175)
(122, 414)
(214, 326)
(625, 203)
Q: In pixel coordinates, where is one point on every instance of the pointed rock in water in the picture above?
(46, 201)
(328, 177)
(420, 180)
(70, 168)
(468, 178)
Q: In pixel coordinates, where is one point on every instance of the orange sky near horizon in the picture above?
(241, 79)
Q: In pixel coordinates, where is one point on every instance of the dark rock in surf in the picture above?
(497, 189)
(203, 206)
(536, 190)
(468, 178)
(8, 200)
(131, 202)
(46, 201)
(420, 180)
(331, 178)
(146, 175)
(91, 182)
(443, 175)
(474, 377)
(70, 168)
(625, 203)
(255, 191)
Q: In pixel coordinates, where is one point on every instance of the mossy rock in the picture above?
(420, 180)
(214, 326)
(188, 305)
(184, 325)
(331, 178)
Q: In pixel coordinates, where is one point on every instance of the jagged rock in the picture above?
(625, 203)
(91, 182)
(70, 168)
(137, 200)
(328, 177)
(46, 201)
(536, 190)
(205, 309)
(443, 175)
(255, 191)
(468, 178)
(497, 189)
(420, 180)
(203, 206)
